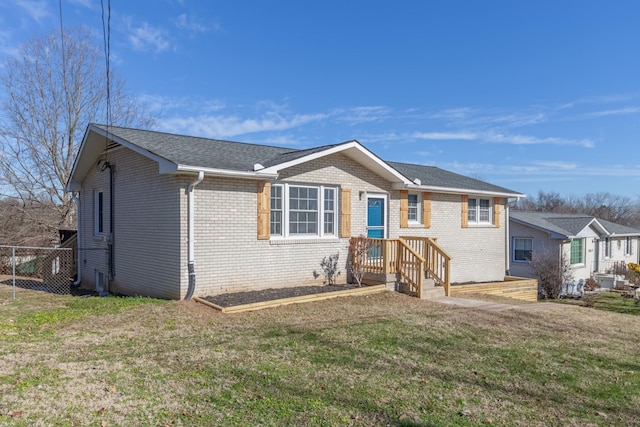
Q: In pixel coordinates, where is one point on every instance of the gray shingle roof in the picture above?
(239, 156)
(567, 225)
(200, 152)
(433, 176)
(619, 229)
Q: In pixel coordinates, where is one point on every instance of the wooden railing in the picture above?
(437, 261)
(406, 257)
(411, 267)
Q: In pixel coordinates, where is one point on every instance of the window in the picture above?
(302, 210)
(275, 219)
(413, 207)
(628, 246)
(329, 210)
(607, 247)
(522, 248)
(479, 211)
(577, 251)
(98, 212)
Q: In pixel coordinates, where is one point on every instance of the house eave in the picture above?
(222, 173)
(451, 190)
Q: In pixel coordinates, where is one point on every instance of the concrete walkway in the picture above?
(494, 306)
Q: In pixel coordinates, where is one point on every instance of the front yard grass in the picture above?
(608, 301)
(383, 359)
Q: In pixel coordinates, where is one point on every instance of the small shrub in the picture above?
(591, 284)
(359, 248)
(330, 268)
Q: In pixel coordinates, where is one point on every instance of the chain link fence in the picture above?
(43, 269)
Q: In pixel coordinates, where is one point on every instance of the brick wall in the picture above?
(147, 253)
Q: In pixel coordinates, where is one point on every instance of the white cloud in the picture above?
(501, 138)
(37, 10)
(465, 136)
(618, 112)
(186, 22)
(556, 165)
(145, 37)
(453, 113)
(228, 126)
(161, 105)
(358, 115)
(89, 4)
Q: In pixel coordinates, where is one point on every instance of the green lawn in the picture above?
(383, 359)
(608, 301)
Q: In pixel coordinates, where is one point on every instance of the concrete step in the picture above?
(432, 292)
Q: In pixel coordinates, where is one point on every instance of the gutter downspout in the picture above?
(508, 239)
(190, 235)
(76, 198)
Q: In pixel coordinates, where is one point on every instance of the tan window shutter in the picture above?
(345, 212)
(426, 210)
(465, 211)
(404, 208)
(497, 202)
(264, 210)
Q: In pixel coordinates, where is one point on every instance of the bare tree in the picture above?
(552, 271)
(51, 90)
(619, 209)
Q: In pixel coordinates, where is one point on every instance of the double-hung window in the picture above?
(303, 210)
(607, 247)
(522, 249)
(98, 212)
(628, 246)
(577, 251)
(413, 207)
(479, 211)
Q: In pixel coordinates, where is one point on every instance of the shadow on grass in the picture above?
(34, 284)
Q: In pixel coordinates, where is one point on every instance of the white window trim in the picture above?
(606, 247)
(477, 222)
(628, 246)
(418, 219)
(321, 199)
(583, 256)
(513, 244)
(96, 213)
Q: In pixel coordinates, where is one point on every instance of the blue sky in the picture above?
(530, 95)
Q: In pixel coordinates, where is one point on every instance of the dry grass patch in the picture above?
(384, 359)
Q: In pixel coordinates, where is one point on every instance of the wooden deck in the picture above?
(511, 287)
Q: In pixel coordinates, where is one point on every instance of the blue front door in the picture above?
(375, 217)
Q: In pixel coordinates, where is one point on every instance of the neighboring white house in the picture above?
(158, 210)
(594, 247)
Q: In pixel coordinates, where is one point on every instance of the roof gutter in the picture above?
(78, 263)
(224, 173)
(507, 207)
(191, 234)
(449, 190)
